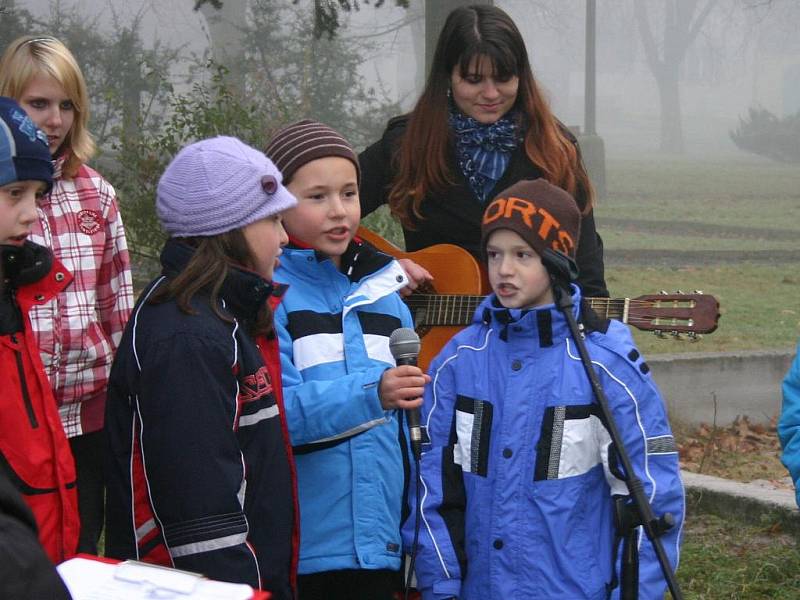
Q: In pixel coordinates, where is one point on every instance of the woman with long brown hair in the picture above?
(481, 124)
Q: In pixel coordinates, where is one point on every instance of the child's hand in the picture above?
(417, 275)
(401, 387)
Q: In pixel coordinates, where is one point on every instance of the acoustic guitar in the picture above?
(443, 307)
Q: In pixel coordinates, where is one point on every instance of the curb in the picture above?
(750, 502)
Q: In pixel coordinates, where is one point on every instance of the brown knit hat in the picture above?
(301, 142)
(542, 214)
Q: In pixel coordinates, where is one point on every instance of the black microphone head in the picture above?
(403, 343)
(559, 265)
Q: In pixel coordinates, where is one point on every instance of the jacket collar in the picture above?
(31, 275)
(243, 291)
(358, 261)
(543, 323)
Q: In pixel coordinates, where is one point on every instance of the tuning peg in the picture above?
(664, 292)
(658, 333)
(680, 292)
(676, 335)
(694, 336)
(698, 292)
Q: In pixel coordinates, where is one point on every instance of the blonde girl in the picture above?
(79, 220)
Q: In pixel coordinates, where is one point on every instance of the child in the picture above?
(341, 387)
(789, 424)
(78, 330)
(517, 499)
(34, 452)
(200, 471)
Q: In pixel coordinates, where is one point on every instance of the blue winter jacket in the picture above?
(789, 424)
(334, 333)
(516, 489)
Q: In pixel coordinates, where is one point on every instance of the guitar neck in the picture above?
(457, 310)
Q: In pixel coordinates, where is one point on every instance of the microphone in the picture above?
(560, 266)
(404, 345)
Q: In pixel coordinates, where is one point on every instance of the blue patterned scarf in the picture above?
(483, 151)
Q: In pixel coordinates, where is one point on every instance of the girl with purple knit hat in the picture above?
(200, 470)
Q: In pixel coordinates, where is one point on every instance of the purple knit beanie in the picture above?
(217, 185)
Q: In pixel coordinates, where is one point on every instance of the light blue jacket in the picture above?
(516, 490)
(334, 333)
(789, 424)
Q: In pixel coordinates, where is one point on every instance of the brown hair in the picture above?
(29, 56)
(206, 271)
(422, 163)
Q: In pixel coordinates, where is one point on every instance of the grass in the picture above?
(748, 193)
(634, 240)
(731, 560)
(758, 304)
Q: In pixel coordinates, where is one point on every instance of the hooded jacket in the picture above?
(517, 492)
(34, 452)
(200, 472)
(334, 327)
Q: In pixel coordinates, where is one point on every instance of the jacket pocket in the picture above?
(473, 429)
(95, 352)
(574, 516)
(571, 441)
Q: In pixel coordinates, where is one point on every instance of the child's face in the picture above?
(48, 105)
(328, 211)
(18, 210)
(516, 273)
(265, 238)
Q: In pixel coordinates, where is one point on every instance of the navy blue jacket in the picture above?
(199, 468)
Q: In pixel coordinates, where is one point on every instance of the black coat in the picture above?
(198, 466)
(455, 217)
(25, 571)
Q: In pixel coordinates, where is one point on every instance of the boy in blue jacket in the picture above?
(789, 424)
(516, 497)
(341, 388)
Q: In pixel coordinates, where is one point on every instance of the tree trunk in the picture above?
(682, 21)
(671, 121)
(226, 27)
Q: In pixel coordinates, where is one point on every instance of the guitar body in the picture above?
(455, 272)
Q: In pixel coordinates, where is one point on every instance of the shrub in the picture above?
(765, 134)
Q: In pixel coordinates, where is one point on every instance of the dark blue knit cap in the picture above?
(24, 154)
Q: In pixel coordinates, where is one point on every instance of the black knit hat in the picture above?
(24, 154)
(542, 214)
(299, 143)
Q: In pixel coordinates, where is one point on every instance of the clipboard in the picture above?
(94, 578)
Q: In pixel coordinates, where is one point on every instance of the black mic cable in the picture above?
(404, 345)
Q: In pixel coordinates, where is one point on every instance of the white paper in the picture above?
(93, 580)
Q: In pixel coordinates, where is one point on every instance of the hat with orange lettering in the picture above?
(542, 214)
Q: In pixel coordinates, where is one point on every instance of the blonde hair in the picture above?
(29, 56)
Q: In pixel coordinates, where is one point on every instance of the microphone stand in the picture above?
(629, 516)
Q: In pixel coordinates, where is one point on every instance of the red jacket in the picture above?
(33, 448)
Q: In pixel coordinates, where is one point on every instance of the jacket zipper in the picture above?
(26, 397)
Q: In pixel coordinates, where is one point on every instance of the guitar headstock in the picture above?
(674, 314)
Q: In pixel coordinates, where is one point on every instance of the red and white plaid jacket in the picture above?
(79, 331)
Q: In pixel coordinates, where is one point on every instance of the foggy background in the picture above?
(732, 55)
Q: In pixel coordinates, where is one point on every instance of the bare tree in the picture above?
(683, 20)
